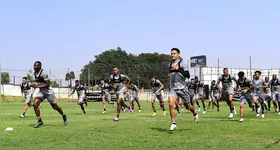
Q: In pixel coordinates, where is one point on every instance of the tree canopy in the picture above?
(5, 78)
(137, 67)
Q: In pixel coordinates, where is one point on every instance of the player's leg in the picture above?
(196, 100)
(278, 100)
(186, 99)
(38, 99)
(201, 97)
(209, 103)
(172, 101)
(261, 101)
(181, 104)
(161, 102)
(242, 100)
(52, 100)
(230, 102)
(257, 107)
(138, 103)
(81, 103)
(131, 103)
(104, 104)
(120, 103)
(153, 104)
(27, 103)
(177, 106)
(274, 102)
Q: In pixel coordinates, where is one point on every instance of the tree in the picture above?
(69, 77)
(5, 78)
(54, 84)
(137, 67)
(29, 76)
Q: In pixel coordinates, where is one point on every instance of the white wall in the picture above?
(11, 90)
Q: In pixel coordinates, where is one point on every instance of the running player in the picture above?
(199, 93)
(106, 96)
(178, 89)
(27, 94)
(275, 83)
(81, 94)
(192, 91)
(157, 93)
(215, 91)
(244, 85)
(227, 90)
(133, 92)
(259, 86)
(45, 92)
(267, 95)
(120, 83)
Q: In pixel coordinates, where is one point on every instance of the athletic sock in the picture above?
(23, 114)
(104, 109)
(232, 110)
(118, 115)
(39, 119)
(155, 111)
(173, 122)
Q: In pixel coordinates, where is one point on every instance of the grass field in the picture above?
(138, 130)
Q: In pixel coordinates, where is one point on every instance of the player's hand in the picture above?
(244, 91)
(175, 66)
(157, 93)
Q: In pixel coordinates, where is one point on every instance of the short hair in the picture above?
(225, 69)
(192, 78)
(258, 72)
(150, 77)
(176, 49)
(266, 77)
(38, 62)
(196, 77)
(77, 81)
(241, 74)
(25, 78)
(274, 75)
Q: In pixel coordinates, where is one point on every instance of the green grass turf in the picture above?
(138, 130)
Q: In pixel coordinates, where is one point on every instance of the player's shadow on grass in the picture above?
(275, 143)
(44, 125)
(167, 131)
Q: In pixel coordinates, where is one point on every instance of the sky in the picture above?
(69, 33)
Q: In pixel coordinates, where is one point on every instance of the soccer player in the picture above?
(275, 83)
(259, 86)
(215, 91)
(199, 93)
(81, 94)
(267, 95)
(26, 92)
(227, 90)
(106, 96)
(133, 92)
(244, 85)
(45, 92)
(178, 89)
(120, 83)
(157, 93)
(192, 91)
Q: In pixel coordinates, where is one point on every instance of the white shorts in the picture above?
(28, 98)
(50, 97)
